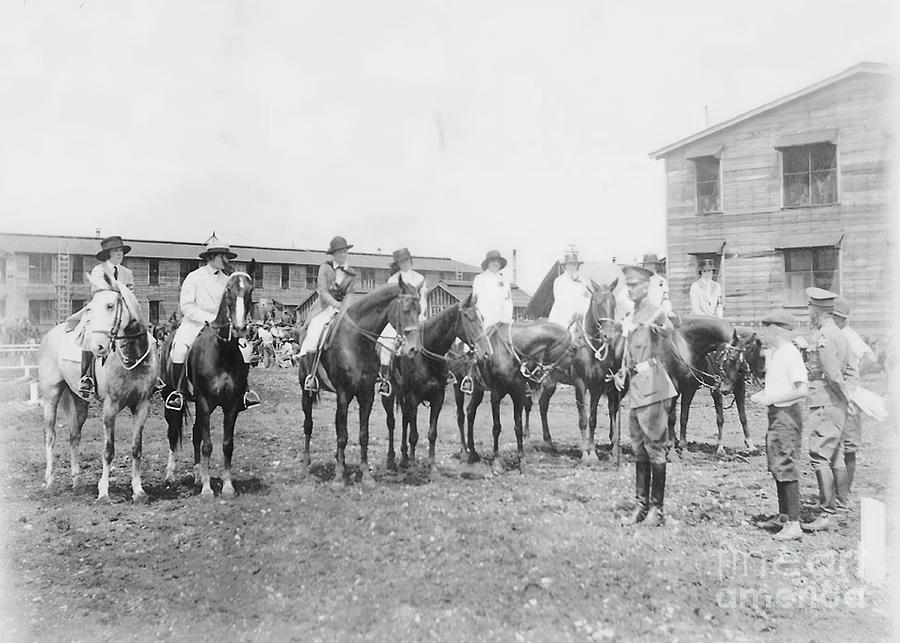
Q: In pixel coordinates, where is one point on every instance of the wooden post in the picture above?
(33, 392)
(872, 541)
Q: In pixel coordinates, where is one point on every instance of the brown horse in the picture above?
(597, 356)
(423, 377)
(218, 374)
(350, 363)
(521, 356)
(126, 376)
(741, 365)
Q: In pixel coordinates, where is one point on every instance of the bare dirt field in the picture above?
(450, 554)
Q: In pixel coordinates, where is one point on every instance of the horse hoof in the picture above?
(523, 468)
(391, 464)
(367, 480)
(140, 499)
(587, 459)
(170, 480)
(720, 451)
(497, 467)
(474, 458)
(404, 462)
(227, 491)
(207, 493)
(750, 446)
(338, 484)
(103, 499)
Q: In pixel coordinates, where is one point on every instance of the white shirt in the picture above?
(121, 274)
(658, 294)
(494, 297)
(858, 347)
(706, 298)
(265, 336)
(201, 295)
(416, 279)
(571, 297)
(784, 367)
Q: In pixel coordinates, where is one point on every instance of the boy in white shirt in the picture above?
(786, 386)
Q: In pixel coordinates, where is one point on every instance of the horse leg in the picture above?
(175, 422)
(460, 399)
(138, 420)
(412, 410)
(365, 402)
(109, 447)
(230, 419)
(518, 407)
(686, 400)
(740, 400)
(581, 407)
(529, 402)
(720, 420)
(81, 413)
(592, 422)
(474, 401)
(307, 403)
(197, 437)
(202, 424)
(547, 391)
(51, 395)
(388, 404)
(404, 436)
(340, 429)
(436, 403)
(496, 465)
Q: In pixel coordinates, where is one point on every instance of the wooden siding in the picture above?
(753, 221)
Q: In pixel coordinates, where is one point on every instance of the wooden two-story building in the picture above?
(792, 194)
(42, 277)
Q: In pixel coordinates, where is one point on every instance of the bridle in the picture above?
(117, 340)
(233, 333)
(601, 350)
(376, 338)
(540, 371)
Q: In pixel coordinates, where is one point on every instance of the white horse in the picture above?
(126, 369)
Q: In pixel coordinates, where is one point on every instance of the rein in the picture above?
(118, 341)
(376, 338)
(694, 371)
(229, 323)
(540, 371)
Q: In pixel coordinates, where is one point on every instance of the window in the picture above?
(258, 276)
(810, 174)
(707, 168)
(285, 276)
(77, 270)
(312, 277)
(805, 267)
(367, 278)
(42, 311)
(40, 268)
(153, 278)
(154, 312)
(77, 304)
(185, 267)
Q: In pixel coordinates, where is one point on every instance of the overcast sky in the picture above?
(448, 127)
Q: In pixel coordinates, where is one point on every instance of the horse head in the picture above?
(473, 326)
(741, 358)
(601, 326)
(404, 317)
(237, 301)
(113, 308)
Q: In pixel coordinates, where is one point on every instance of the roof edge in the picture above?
(859, 68)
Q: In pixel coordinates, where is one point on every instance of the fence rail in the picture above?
(24, 354)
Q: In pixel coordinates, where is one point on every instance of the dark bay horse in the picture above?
(742, 364)
(216, 369)
(521, 356)
(350, 364)
(598, 350)
(708, 340)
(126, 371)
(423, 376)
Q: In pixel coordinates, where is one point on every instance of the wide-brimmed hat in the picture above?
(215, 246)
(779, 317)
(493, 255)
(399, 256)
(337, 244)
(571, 256)
(636, 273)
(111, 243)
(706, 264)
(650, 260)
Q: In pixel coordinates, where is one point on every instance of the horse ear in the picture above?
(614, 284)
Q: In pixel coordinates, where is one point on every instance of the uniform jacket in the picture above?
(494, 297)
(832, 370)
(648, 380)
(570, 297)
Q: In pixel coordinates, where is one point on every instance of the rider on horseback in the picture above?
(112, 251)
(493, 301)
(335, 281)
(571, 294)
(201, 296)
(401, 267)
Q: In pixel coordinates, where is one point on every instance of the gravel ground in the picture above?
(453, 553)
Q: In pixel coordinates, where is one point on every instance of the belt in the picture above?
(643, 366)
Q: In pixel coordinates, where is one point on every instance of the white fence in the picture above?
(18, 358)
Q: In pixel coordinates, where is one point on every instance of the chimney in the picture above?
(515, 267)
(97, 232)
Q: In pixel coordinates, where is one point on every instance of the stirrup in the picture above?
(467, 386)
(311, 384)
(85, 387)
(175, 401)
(384, 388)
(251, 399)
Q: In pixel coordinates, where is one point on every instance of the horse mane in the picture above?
(379, 296)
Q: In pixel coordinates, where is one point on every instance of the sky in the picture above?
(448, 127)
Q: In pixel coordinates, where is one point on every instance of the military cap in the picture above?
(635, 274)
(820, 297)
(779, 317)
(841, 308)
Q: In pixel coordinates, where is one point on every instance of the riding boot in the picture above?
(641, 493)
(175, 399)
(655, 517)
(86, 384)
(310, 382)
(850, 463)
(841, 500)
(384, 380)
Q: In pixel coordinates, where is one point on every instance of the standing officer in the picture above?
(858, 350)
(831, 378)
(650, 393)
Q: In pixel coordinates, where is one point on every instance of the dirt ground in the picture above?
(450, 554)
